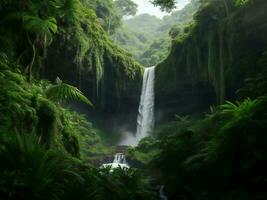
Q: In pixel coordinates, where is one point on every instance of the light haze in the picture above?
(144, 6)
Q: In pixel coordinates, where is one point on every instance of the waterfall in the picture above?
(145, 123)
(162, 195)
(119, 158)
(119, 161)
(145, 118)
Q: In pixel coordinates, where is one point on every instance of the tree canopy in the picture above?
(126, 7)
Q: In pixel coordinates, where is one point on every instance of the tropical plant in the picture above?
(126, 7)
(240, 109)
(241, 2)
(29, 171)
(108, 14)
(217, 149)
(62, 91)
(37, 23)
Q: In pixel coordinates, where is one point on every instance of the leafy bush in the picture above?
(31, 171)
(221, 156)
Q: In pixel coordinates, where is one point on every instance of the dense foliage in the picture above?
(48, 151)
(147, 37)
(214, 56)
(31, 171)
(222, 156)
(38, 38)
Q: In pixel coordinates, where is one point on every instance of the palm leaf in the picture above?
(239, 108)
(69, 10)
(62, 91)
(229, 107)
(44, 27)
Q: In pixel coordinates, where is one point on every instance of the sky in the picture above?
(144, 6)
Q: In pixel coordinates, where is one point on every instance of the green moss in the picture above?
(143, 154)
(26, 109)
(215, 50)
(81, 139)
(223, 147)
(48, 124)
(95, 62)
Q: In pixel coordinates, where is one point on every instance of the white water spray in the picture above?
(119, 158)
(119, 161)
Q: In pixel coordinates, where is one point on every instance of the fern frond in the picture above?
(69, 10)
(229, 107)
(44, 27)
(63, 91)
(239, 109)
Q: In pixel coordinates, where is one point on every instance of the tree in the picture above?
(108, 14)
(165, 5)
(169, 5)
(126, 7)
(111, 12)
(42, 31)
(175, 31)
(34, 24)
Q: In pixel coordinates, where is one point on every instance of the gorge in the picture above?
(84, 116)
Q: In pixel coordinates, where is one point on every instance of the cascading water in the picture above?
(162, 195)
(145, 118)
(119, 158)
(119, 161)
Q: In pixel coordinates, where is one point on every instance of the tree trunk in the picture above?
(28, 70)
(221, 70)
(226, 7)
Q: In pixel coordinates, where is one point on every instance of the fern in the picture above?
(70, 10)
(229, 107)
(62, 91)
(45, 28)
(239, 109)
(241, 2)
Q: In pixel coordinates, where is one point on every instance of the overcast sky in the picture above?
(144, 6)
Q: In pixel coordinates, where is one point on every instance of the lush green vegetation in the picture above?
(214, 49)
(221, 156)
(31, 171)
(47, 151)
(38, 38)
(207, 53)
(148, 38)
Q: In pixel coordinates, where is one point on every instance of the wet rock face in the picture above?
(99, 160)
(185, 100)
(115, 93)
(115, 90)
(122, 149)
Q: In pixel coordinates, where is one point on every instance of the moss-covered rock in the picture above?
(213, 57)
(84, 55)
(25, 109)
